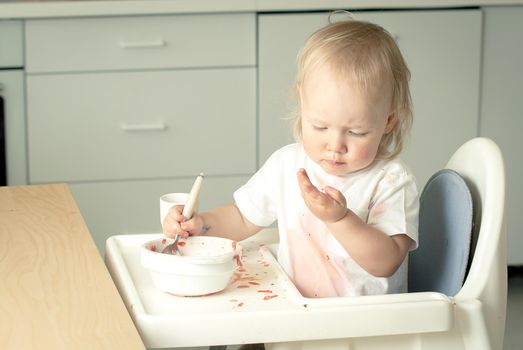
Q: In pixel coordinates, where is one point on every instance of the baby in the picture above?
(347, 208)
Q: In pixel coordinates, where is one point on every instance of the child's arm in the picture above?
(376, 252)
(226, 221)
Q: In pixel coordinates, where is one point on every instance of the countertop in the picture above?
(56, 292)
(85, 8)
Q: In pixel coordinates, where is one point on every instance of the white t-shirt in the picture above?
(383, 195)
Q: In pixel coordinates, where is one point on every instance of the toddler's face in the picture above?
(342, 126)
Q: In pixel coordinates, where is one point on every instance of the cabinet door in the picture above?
(442, 49)
(124, 207)
(12, 92)
(11, 42)
(502, 109)
(145, 124)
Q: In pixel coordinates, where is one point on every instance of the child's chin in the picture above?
(336, 171)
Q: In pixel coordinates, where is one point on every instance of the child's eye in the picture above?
(317, 127)
(357, 134)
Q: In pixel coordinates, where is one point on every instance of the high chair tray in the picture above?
(260, 304)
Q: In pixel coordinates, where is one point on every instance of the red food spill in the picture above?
(254, 283)
(268, 297)
(239, 305)
(243, 286)
(264, 291)
(264, 263)
(236, 277)
(153, 247)
(181, 244)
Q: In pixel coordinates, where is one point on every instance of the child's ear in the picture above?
(391, 122)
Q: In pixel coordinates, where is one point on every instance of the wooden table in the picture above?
(55, 291)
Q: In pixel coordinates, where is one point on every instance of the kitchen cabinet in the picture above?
(125, 109)
(13, 101)
(502, 109)
(442, 49)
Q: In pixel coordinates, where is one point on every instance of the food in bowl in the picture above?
(205, 266)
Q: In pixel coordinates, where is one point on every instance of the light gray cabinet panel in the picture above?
(142, 42)
(132, 125)
(502, 109)
(11, 47)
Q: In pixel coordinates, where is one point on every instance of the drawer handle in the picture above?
(142, 44)
(160, 126)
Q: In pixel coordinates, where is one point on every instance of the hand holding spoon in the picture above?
(188, 210)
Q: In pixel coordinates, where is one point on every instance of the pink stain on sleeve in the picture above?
(379, 209)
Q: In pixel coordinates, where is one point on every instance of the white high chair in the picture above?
(474, 318)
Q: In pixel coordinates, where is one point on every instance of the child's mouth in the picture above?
(334, 163)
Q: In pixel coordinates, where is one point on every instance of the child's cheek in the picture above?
(363, 156)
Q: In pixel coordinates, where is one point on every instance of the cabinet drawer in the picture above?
(11, 39)
(118, 43)
(132, 125)
(115, 208)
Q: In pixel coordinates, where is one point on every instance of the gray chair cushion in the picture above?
(445, 227)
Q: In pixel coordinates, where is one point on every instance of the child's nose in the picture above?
(337, 144)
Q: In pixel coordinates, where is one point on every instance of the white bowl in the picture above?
(205, 266)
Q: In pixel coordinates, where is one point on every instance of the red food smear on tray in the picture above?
(264, 291)
(243, 286)
(268, 297)
(181, 244)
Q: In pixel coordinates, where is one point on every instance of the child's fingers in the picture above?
(176, 212)
(306, 186)
(336, 195)
(303, 179)
(172, 224)
(188, 226)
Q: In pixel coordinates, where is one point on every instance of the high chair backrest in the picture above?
(480, 162)
(445, 225)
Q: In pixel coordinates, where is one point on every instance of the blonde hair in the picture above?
(368, 54)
